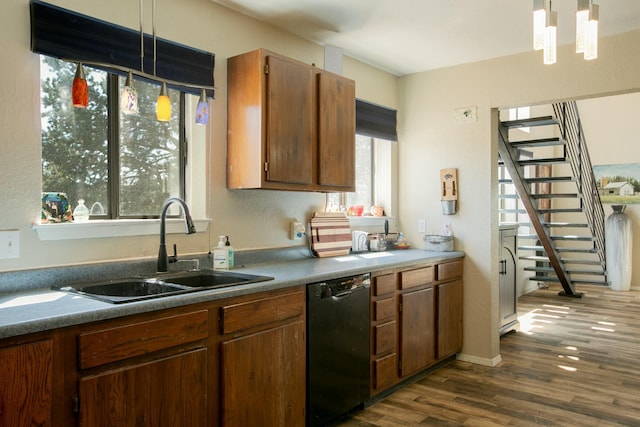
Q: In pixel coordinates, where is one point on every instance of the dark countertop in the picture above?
(37, 310)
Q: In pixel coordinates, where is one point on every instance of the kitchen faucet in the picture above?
(163, 260)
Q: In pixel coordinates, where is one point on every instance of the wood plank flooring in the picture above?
(575, 362)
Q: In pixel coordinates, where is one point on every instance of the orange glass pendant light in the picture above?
(80, 89)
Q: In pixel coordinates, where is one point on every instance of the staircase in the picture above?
(549, 181)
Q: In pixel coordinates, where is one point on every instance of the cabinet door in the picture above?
(263, 378)
(168, 392)
(336, 132)
(290, 122)
(449, 318)
(417, 330)
(508, 297)
(26, 384)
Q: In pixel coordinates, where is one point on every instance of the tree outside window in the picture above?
(123, 166)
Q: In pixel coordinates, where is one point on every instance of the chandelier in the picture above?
(545, 23)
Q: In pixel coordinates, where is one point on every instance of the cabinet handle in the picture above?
(75, 404)
(503, 267)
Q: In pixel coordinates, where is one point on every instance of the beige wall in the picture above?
(254, 219)
(430, 141)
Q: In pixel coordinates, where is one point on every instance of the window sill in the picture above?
(112, 228)
(368, 220)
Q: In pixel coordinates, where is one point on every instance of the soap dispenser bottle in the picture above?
(221, 255)
(231, 251)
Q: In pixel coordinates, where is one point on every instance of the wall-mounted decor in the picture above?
(618, 184)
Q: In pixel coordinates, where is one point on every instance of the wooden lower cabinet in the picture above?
(449, 318)
(263, 378)
(417, 331)
(263, 361)
(167, 392)
(26, 384)
(416, 320)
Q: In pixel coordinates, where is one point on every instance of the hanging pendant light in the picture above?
(163, 106)
(80, 89)
(550, 32)
(539, 23)
(202, 110)
(591, 33)
(582, 16)
(129, 97)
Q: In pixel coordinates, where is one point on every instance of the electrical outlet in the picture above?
(9, 244)
(296, 231)
(422, 226)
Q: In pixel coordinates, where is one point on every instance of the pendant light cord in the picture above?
(141, 38)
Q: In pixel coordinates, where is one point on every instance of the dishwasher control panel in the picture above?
(338, 286)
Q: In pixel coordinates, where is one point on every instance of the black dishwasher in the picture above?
(337, 348)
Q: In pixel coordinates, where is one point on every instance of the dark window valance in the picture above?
(375, 121)
(68, 35)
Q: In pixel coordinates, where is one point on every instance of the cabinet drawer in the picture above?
(418, 277)
(384, 308)
(383, 285)
(123, 342)
(246, 315)
(384, 337)
(385, 371)
(449, 270)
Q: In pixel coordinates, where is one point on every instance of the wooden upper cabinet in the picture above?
(337, 132)
(290, 122)
(290, 126)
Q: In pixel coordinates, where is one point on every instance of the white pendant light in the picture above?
(129, 97)
(582, 16)
(550, 32)
(202, 110)
(591, 33)
(539, 23)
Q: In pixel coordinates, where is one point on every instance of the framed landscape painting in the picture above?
(618, 184)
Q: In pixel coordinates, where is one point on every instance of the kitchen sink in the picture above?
(126, 290)
(212, 279)
(129, 290)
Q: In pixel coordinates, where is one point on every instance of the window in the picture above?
(520, 113)
(375, 157)
(123, 166)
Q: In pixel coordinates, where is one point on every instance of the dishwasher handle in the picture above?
(343, 294)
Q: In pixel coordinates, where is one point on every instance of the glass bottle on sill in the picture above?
(81, 212)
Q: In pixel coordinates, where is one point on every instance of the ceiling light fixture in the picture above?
(545, 23)
(163, 105)
(587, 17)
(202, 110)
(550, 36)
(129, 97)
(539, 23)
(80, 89)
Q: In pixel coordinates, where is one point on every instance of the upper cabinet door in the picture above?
(290, 122)
(336, 131)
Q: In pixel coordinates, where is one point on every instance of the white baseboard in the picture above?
(479, 360)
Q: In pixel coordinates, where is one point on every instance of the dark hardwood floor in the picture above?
(575, 362)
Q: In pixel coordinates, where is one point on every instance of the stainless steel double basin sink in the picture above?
(164, 284)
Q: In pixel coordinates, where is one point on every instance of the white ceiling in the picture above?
(408, 36)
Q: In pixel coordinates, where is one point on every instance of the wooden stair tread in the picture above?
(530, 122)
(542, 142)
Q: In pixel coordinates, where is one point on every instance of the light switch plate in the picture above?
(9, 244)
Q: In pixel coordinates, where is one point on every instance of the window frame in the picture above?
(113, 81)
